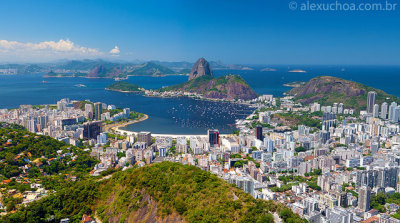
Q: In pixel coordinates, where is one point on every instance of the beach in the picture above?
(116, 126)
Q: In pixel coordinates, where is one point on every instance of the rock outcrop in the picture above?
(97, 71)
(200, 68)
(321, 86)
(103, 72)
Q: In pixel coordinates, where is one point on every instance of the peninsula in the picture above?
(201, 81)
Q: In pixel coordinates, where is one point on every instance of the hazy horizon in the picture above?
(235, 32)
(60, 61)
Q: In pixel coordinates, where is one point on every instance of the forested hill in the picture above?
(24, 154)
(164, 192)
(36, 164)
(123, 87)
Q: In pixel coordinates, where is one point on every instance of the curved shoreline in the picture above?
(116, 126)
(127, 132)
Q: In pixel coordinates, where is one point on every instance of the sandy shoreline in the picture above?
(116, 126)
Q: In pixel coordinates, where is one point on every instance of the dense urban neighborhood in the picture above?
(326, 163)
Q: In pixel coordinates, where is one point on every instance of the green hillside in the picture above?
(18, 148)
(27, 158)
(167, 192)
(150, 68)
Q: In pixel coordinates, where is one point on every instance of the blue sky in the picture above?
(247, 32)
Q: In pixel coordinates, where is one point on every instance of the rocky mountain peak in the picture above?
(98, 70)
(200, 68)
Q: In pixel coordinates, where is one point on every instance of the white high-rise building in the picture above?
(375, 111)
(384, 110)
(88, 108)
(371, 101)
(392, 108)
(315, 107)
(396, 114)
(335, 108)
(364, 198)
(268, 144)
(340, 108)
(102, 138)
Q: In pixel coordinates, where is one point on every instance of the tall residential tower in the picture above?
(371, 99)
(98, 110)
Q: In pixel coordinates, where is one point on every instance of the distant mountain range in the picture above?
(107, 69)
(327, 90)
(110, 70)
(121, 71)
(201, 81)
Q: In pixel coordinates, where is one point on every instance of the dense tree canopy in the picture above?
(187, 191)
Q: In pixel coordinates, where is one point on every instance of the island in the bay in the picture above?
(125, 87)
(294, 84)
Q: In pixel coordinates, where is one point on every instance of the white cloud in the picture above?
(115, 50)
(46, 50)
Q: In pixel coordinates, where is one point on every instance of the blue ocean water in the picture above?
(183, 115)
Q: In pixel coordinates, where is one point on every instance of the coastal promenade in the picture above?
(125, 132)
